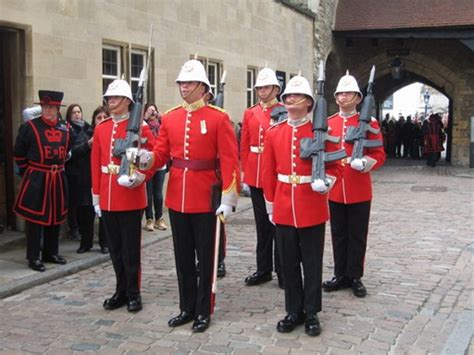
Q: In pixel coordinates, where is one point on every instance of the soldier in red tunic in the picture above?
(298, 207)
(255, 123)
(40, 152)
(349, 200)
(199, 139)
(119, 200)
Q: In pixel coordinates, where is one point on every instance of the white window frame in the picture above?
(133, 78)
(250, 90)
(217, 76)
(118, 50)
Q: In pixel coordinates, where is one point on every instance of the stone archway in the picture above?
(443, 64)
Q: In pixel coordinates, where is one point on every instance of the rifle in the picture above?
(128, 163)
(357, 135)
(313, 148)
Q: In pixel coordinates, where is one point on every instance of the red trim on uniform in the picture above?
(23, 189)
(38, 140)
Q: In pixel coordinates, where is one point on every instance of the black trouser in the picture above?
(265, 234)
(34, 233)
(123, 232)
(431, 159)
(222, 244)
(301, 246)
(72, 222)
(85, 219)
(154, 193)
(349, 229)
(193, 235)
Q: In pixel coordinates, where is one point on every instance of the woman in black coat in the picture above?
(78, 170)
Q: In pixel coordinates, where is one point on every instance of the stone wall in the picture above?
(65, 51)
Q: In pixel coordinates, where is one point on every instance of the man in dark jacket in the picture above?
(40, 152)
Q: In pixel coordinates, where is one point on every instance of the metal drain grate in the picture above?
(418, 188)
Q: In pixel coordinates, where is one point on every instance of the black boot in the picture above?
(336, 283)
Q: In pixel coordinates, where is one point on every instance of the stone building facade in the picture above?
(79, 46)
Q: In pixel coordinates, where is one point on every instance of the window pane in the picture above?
(211, 74)
(249, 79)
(109, 62)
(249, 99)
(105, 84)
(137, 64)
(134, 86)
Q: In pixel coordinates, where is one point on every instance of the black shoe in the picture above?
(312, 326)
(82, 250)
(289, 323)
(281, 284)
(134, 304)
(358, 288)
(104, 250)
(183, 318)
(114, 302)
(336, 283)
(54, 259)
(221, 272)
(201, 323)
(36, 265)
(258, 278)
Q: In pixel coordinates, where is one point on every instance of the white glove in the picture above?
(270, 218)
(358, 164)
(145, 157)
(98, 211)
(226, 210)
(320, 186)
(133, 181)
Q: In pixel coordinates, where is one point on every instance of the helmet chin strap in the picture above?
(299, 102)
(122, 98)
(352, 101)
(267, 99)
(195, 89)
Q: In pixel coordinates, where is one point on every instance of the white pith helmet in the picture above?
(119, 87)
(347, 84)
(299, 85)
(265, 77)
(193, 70)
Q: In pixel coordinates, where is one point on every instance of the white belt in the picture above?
(111, 169)
(295, 179)
(256, 149)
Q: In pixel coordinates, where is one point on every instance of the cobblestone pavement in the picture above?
(418, 275)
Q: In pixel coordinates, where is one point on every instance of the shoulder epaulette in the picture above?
(277, 124)
(254, 105)
(173, 108)
(332, 116)
(217, 108)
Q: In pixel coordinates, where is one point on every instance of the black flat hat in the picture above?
(48, 97)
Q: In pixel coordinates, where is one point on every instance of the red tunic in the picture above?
(255, 123)
(197, 132)
(294, 205)
(40, 152)
(354, 186)
(112, 196)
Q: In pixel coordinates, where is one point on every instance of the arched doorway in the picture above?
(405, 114)
(428, 61)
